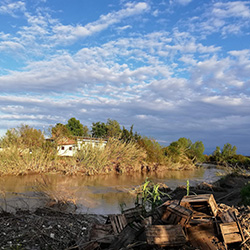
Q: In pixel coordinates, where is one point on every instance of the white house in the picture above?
(68, 147)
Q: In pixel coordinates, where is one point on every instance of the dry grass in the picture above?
(56, 195)
(116, 156)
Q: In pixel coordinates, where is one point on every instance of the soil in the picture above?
(50, 228)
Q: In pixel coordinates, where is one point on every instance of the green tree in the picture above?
(216, 156)
(76, 128)
(10, 138)
(196, 151)
(153, 149)
(113, 128)
(99, 130)
(228, 151)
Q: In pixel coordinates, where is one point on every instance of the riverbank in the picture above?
(50, 228)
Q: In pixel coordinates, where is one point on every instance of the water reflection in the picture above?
(96, 194)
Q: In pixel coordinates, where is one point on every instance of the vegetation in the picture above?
(148, 195)
(245, 194)
(228, 157)
(25, 150)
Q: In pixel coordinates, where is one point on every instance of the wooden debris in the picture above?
(230, 232)
(165, 235)
(175, 214)
(194, 218)
(204, 203)
(126, 237)
(201, 236)
(103, 233)
(118, 222)
(133, 214)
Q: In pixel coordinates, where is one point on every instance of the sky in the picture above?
(172, 68)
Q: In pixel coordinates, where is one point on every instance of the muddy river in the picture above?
(93, 194)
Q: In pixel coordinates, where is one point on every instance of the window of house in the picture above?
(62, 147)
(70, 148)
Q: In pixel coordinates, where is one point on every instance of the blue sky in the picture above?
(174, 68)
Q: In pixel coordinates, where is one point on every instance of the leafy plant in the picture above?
(149, 196)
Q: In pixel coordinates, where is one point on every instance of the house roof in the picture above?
(66, 141)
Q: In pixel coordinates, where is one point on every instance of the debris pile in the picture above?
(194, 222)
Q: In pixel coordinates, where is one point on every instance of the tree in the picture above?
(113, 128)
(24, 136)
(60, 131)
(185, 148)
(11, 138)
(31, 137)
(153, 149)
(99, 130)
(76, 128)
(228, 151)
(196, 151)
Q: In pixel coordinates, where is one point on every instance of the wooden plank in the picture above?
(232, 238)
(118, 222)
(133, 214)
(230, 232)
(165, 235)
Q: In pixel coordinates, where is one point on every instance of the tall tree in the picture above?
(113, 128)
(76, 128)
(99, 130)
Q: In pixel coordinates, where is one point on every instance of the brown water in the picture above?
(93, 194)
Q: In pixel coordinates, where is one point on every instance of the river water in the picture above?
(102, 194)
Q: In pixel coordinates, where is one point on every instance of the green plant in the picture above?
(148, 195)
(188, 186)
(245, 194)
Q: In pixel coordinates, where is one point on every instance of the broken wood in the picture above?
(175, 214)
(201, 236)
(165, 235)
(230, 232)
(204, 203)
(118, 222)
(126, 237)
(102, 233)
(133, 214)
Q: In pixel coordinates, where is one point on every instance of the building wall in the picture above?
(66, 150)
(70, 150)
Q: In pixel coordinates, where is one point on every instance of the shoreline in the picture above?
(50, 227)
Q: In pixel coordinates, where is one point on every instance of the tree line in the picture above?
(183, 151)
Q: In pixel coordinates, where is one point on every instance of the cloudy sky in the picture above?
(173, 68)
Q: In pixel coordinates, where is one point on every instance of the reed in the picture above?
(57, 196)
(116, 156)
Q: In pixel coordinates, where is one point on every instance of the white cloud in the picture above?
(12, 8)
(69, 33)
(231, 9)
